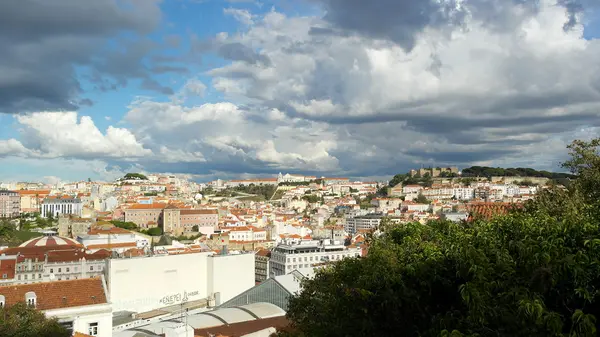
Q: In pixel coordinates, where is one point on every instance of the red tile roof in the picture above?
(7, 267)
(58, 294)
(34, 192)
(154, 206)
(198, 211)
(263, 252)
(487, 210)
(107, 230)
(113, 245)
(76, 255)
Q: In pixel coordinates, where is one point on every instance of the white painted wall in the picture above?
(147, 283)
(231, 275)
(83, 316)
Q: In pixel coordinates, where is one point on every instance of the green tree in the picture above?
(421, 199)
(125, 225)
(311, 198)
(20, 320)
(195, 228)
(397, 179)
(532, 272)
(135, 176)
(154, 231)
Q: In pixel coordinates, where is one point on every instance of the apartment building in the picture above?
(307, 255)
(51, 258)
(10, 204)
(363, 222)
(247, 234)
(261, 264)
(31, 200)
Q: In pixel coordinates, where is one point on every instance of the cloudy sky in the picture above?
(242, 88)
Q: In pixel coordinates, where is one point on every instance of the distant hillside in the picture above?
(484, 171)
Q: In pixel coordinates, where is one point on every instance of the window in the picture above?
(30, 298)
(68, 269)
(91, 268)
(4, 276)
(68, 325)
(25, 276)
(40, 276)
(59, 270)
(93, 329)
(51, 271)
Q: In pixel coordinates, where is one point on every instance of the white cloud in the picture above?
(241, 15)
(63, 134)
(476, 94)
(12, 147)
(507, 86)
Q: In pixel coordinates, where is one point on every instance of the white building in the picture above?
(80, 305)
(307, 255)
(112, 238)
(147, 283)
(52, 206)
(292, 178)
(247, 234)
(463, 193)
(415, 207)
(364, 222)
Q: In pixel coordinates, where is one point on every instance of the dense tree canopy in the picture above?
(21, 320)
(135, 176)
(484, 171)
(533, 272)
(266, 191)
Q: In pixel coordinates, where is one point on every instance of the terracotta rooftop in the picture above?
(96, 230)
(34, 192)
(487, 210)
(51, 242)
(198, 211)
(76, 255)
(264, 252)
(58, 294)
(79, 334)
(113, 245)
(147, 206)
(7, 267)
(244, 328)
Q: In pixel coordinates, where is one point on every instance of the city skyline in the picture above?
(241, 89)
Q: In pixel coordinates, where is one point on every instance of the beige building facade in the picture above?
(10, 204)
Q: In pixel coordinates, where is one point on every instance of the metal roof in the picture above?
(232, 315)
(203, 321)
(264, 310)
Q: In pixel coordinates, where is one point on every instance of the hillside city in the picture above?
(165, 255)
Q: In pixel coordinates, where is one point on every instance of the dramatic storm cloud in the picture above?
(47, 46)
(364, 88)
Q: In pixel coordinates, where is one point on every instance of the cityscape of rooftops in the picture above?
(299, 168)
